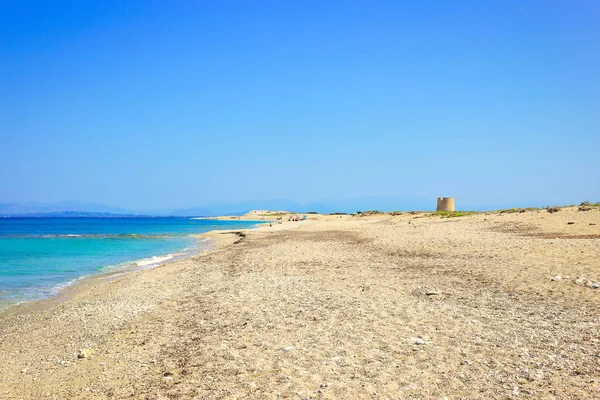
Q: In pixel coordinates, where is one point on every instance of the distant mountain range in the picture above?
(71, 214)
(382, 203)
(79, 209)
(41, 208)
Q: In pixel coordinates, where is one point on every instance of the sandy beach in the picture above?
(484, 306)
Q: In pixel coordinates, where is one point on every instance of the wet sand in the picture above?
(408, 306)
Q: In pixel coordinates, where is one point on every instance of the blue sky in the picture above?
(172, 104)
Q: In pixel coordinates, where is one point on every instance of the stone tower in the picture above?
(445, 204)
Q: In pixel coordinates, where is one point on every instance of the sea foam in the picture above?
(153, 260)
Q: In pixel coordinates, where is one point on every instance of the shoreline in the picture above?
(84, 283)
(67, 289)
(378, 306)
(107, 273)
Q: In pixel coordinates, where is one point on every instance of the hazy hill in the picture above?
(382, 203)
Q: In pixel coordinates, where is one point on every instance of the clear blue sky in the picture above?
(168, 104)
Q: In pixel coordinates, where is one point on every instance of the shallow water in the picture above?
(39, 256)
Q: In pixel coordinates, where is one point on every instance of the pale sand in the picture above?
(351, 307)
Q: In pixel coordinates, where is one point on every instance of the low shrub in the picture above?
(454, 214)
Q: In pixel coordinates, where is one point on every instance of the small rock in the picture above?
(85, 353)
(288, 348)
(25, 370)
(571, 223)
(420, 342)
(431, 292)
(591, 284)
(579, 281)
(324, 385)
(556, 278)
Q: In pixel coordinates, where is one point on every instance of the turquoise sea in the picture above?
(39, 256)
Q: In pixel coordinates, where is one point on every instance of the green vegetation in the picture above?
(517, 210)
(552, 209)
(584, 206)
(312, 212)
(373, 212)
(454, 214)
(588, 204)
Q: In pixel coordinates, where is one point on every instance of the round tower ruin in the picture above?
(445, 204)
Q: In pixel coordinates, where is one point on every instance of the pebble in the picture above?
(420, 342)
(586, 282)
(288, 348)
(85, 353)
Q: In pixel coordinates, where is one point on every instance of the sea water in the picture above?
(39, 256)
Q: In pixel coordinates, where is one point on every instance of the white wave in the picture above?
(60, 286)
(153, 260)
